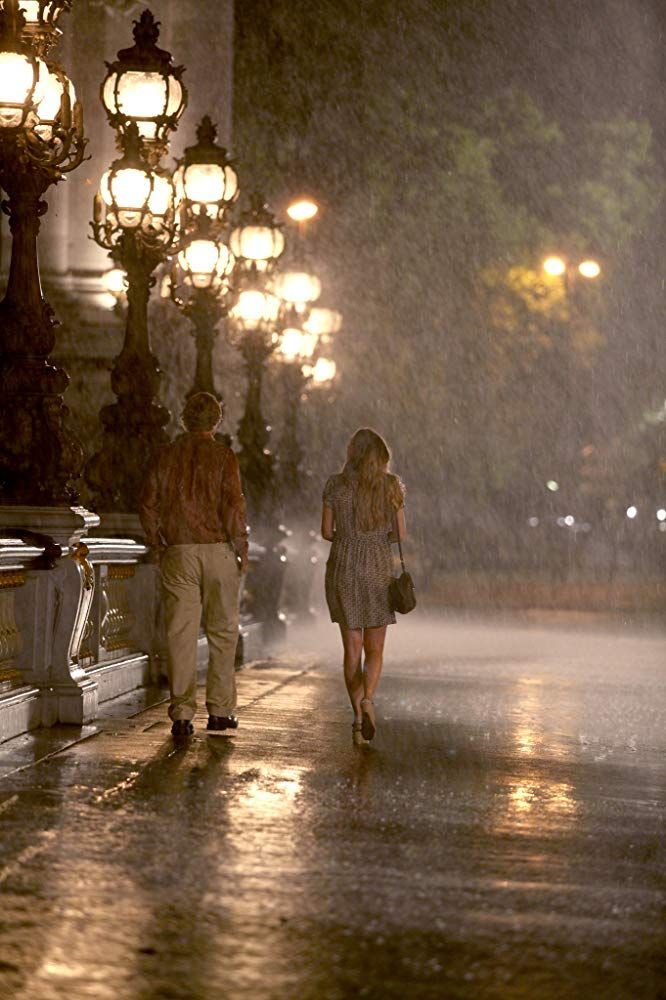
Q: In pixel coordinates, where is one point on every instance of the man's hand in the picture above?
(241, 548)
(155, 553)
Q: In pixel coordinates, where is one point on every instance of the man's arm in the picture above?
(149, 509)
(235, 515)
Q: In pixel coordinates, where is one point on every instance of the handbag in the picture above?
(401, 588)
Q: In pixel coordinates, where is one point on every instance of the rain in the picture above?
(488, 181)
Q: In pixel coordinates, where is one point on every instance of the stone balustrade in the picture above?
(80, 615)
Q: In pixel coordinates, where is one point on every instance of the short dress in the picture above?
(359, 567)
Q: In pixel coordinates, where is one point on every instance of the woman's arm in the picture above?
(327, 523)
(402, 526)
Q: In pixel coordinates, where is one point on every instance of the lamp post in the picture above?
(296, 349)
(257, 243)
(200, 283)
(41, 139)
(135, 220)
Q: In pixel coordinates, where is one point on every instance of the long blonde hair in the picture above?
(377, 493)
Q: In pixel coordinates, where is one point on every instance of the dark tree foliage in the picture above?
(450, 154)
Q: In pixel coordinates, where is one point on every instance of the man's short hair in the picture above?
(202, 412)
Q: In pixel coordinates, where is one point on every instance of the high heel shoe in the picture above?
(357, 735)
(368, 723)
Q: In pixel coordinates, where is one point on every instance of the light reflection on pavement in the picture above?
(503, 836)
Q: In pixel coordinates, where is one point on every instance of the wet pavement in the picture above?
(502, 837)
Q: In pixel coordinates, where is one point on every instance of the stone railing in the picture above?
(80, 616)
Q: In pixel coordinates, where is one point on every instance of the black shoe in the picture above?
(217, 724)
(182, 727)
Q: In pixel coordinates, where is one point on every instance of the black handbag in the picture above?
(401, 588)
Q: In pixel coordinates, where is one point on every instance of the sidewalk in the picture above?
(141, 710)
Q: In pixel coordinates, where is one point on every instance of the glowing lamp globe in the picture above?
(19, 77)
(589, 268)
(54, 100)
(115, 281)
(257, 241)
(303, 210)
(297, 287)
(205, 262)
(160, 201)
(322, 372)
(296, 344)
(144, 87)
(254, 309)
(206, 181)
(323, 322)
(554, 266)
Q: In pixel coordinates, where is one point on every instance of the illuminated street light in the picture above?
(257, 241)
(322, 372)
(552, 485)
(323, 322)
(302, 210)
(135, 220)
(144, 88)
(632, 512)
(554, 266)
(206, 181)
(589, 268)
(661, 514)
(297, 288)
(255, 310)
(557, 266)
(296, 345)
(41, 139)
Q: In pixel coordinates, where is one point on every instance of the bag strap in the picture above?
(397, 535)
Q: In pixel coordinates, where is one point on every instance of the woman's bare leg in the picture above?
(352, 640)
(373, 644)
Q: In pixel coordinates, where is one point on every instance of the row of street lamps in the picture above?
(223, 266)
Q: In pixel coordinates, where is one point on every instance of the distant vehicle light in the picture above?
(632, 512)
(533, 522)
(661, 514)
(569, 520)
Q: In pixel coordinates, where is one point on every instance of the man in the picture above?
(193, 513)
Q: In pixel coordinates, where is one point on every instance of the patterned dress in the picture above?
(360, 566)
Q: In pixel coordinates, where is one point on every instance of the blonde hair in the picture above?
(377, 493)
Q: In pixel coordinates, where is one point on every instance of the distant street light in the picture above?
(589, 268)
(257, 243)
(41, 139)
(200, 283)
(135, 220)
(322, 372)
(303, 210)
(557, 266)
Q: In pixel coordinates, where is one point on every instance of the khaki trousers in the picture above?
(198, 578)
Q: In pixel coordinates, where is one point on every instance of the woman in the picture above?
(363, 507)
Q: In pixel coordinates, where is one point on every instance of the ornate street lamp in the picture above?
(135, 220)
(295, 349)
(206, 180)
(257, 242)
(200, 282)
(201, 288)
(143, 88)
(41, 139)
